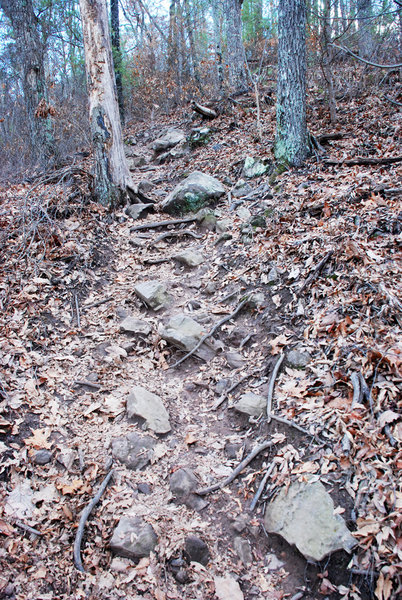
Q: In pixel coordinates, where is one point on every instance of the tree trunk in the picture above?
(31, 53)
(217, 10)
(365, 28)
(291, 143)
(115, 27)
(235, 48)
(112, 177)
(327, 57)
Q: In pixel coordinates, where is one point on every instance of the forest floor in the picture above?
(67, 280)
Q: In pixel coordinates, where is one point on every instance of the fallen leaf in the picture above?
(39, 439)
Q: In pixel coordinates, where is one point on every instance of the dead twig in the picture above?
(315, 273)
(204, 111)
(218, 486)
(85, 383)
(210, 333)
(84, 517)
(156, 224)
(27, 528)
(357, 392)
(290, 423)
(168, 234)
(77, 311)
(98, 303)
(272, 385)
(262, 485)
(363, 160)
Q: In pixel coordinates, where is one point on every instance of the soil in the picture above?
(62, 326)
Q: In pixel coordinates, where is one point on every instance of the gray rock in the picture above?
(199, 136)
(243, 550)
(234, 359)
(195, 502)
(240, 523)
(222, 385)
(303, 514)
(243, 213)
(206, 219)
(190, 258)
(253, 167)
(145, 186)
(135, 211)
(258, 221)
(135, 162)
(223, 225)
(197, 550)
(273, 563)
(257, 300)
(297, 359)
(272, 276)
(182, 483)
(133, 538)
(132, 325)
(42, 457)
(169, 139)
(149, 407)
(185, 333)
(196, 191)
(232, 449)
(144, 488)
(152, 293)
(211, 288)
(133, 450)
(251, 404)
(242, 188)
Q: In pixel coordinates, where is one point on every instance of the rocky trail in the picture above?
(224, 356)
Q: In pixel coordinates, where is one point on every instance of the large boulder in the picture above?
(193, 193)
(169, 139)
(133, 538)
(148, 407)
(303, 514)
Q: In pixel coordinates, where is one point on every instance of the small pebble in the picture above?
(42, 457)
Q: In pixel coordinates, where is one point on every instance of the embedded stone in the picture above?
(298, 359)
(197, 550)
(194, 192)
(251, 404)
(133, 450)
(169, 139)
(182, 483)
(190, 258)
(185, 333)
(133, 538)
(148, 407)
(153, 293)
(135, 326)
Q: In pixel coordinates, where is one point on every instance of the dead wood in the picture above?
(328, 137)
(168, 234)
(98, 303)
(210, 333)
(84, 517)
(262, 485)
(363, 160)
(27, 528)
(315, 273)
(272, 385)
(156, 224)
(236, 472)
(90, 384)
(209, 113)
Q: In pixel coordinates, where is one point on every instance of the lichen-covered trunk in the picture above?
(31, 53)
(235, 48)
(112, 180)
(291, 142)
(117, 58)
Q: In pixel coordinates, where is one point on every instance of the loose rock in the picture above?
(132, 325)
(182, 483)
(185, 333)
(133, 450)
(42, 457)
(251, 404)
(303, 514)
(133, 538)
(197, 550)
(190, 258)
(234, 359)
(145, 405)
(253, 167)
(169, 139)
(196, 191)
(297, 359)
(243, 550)
(135, 211)
(152, 293)
(242, 188)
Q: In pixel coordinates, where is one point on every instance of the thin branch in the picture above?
(367, 62)
(218, 486)
(210, 333)
(27, 528)
(272, 385)
(357, 391)
(316, 272)
(162, 224)
(362, 160)
(262, 485)
(84, 516)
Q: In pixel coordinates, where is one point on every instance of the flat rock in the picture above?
(242, 188)
(135, 211)
(251, 404)
(253, 167)
(234, 359)
(197, 550)
(185, 333)
(303, 514)
(194, 192)
(135, 326)
(133, 538)
(149, 407)
(243, 550)
(169, 139)
(153, 293)
(298, 359)
(190, 258)
(133, 450)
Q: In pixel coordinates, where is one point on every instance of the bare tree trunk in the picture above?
(112, 177)
(365, 28)
(193, 50)
(31, 54)
(291, 142)
(327, 57)
(115, 28)
(217, 10)
(235, 48)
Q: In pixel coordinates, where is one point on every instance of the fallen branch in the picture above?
(84, 517)
(367, 62)
(392, 101)
(218, 486)
(357, 391)
(363, 160)
(262, 485)
(204, 111)
(168, 234)
(85, 383)
(27, 528)
(315, 273)
(155, 261)
(295, 426)
(272, 385)
(328, 137)
(98, 303)
(162, 223)
(210, 333)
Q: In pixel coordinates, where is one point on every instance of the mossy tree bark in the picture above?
(112, 176)
(291, 142)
